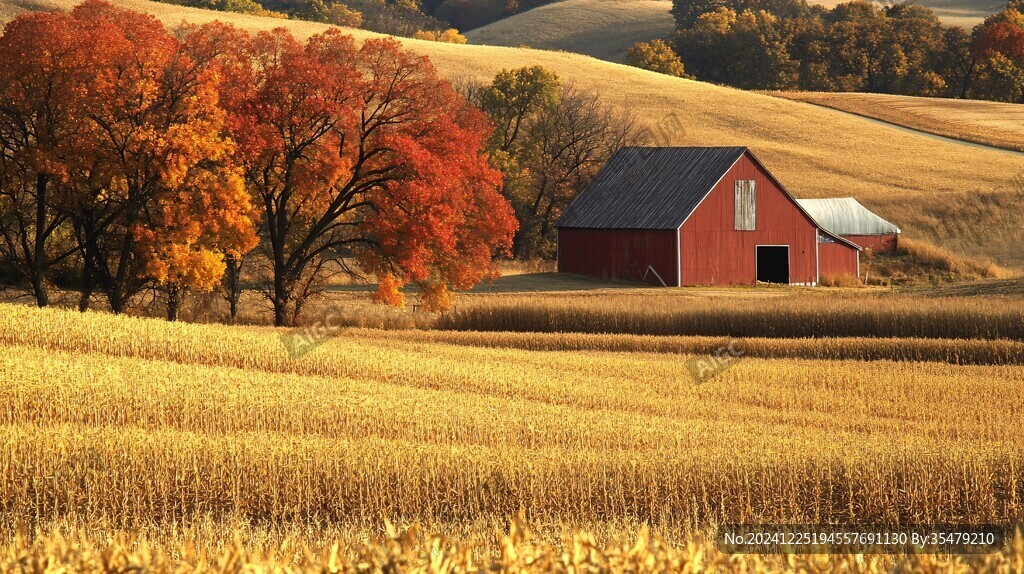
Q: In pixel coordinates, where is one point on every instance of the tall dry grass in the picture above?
(988, 123)
(953, 351)
(800, 316)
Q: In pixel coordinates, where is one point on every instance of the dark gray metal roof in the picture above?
(846, 216)
(650, 187)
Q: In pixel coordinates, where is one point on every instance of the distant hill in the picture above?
(928, 186)
(603, 29)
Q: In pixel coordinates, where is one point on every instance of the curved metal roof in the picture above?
(846, 216)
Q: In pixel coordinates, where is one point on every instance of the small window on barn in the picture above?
(746, 205)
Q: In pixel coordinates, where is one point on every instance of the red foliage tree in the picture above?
(45, 67)
(357, 154)
(1000, 37)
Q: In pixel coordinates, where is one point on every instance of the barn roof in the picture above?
(846, 216)
(650, 187)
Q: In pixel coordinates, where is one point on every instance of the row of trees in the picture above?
(856, 46)
(132, 159)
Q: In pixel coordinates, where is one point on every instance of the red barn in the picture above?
(696, 216)
(847, 218)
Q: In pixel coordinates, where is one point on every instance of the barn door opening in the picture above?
(773, 264)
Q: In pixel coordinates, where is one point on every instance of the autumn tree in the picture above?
(549, 139)
(357, 154)
(449, 36)
(570, 141)
(148, 176)
(656, 56)
(45, 65)
(189, 234)
(999, 46)
(513, 98)
(334, 13)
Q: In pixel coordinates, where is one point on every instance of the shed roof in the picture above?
(846, 216)
(650, 187)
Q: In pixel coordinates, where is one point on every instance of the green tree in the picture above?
(656, 56)
(334, 13)
(748, 50)
(549, 141)
(513, 98)
(687, 12)
(957, 62)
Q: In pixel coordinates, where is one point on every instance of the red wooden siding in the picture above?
(837, 260)
(618, 254)
(713, 253)
(875, 243)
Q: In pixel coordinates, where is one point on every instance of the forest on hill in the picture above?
(854, 47)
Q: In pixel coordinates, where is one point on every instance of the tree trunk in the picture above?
(281, 298)
(233, 285)
(281, 318)
(173, 302)
(85, 298)
(116, 302)
(282, 287)
(39, 256)
(39, 289)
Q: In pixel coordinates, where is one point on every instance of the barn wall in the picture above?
(714, 253)
(837, 260)
(618, 254)
(876, 243)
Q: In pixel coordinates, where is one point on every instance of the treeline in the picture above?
(135, 160)
(856, 46)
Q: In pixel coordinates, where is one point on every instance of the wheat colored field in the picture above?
(928, 187)
(115, 423)
(988, 123)
(604, 29)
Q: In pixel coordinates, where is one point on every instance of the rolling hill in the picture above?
(603, 29)
(927, 186)
(989, 123)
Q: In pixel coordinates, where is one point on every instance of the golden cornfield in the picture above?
(414, 551)
(758, 314)
(115, 424)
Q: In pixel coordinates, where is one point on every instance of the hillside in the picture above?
(926, 186)
(989, 123)
(603, 29)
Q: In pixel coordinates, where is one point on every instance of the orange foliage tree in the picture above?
(188, 234)
(153, 176)
(357, 154)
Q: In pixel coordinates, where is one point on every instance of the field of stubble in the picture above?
(219, 436)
